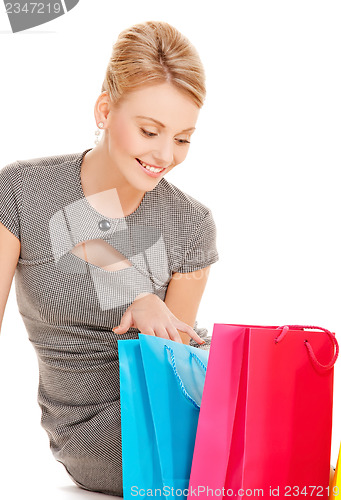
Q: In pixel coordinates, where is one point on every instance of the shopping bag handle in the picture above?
(182, 387)
(308, 346)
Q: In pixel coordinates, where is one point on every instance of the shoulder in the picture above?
(40, 175)
(10, 172)
(190, 230)
(10, 178)
(15, 170)
(48, 161)
(179, 202)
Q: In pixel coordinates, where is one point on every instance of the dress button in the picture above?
(104, 225)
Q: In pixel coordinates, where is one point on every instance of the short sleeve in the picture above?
(202, 250)
(10, 195)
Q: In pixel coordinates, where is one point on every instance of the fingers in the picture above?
(157, 332)
(126, 323)
(174, 334)
(166, 333)
(162, 332)
(192, 333)
(169, 331)
(147, 331)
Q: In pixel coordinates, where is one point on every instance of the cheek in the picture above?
(123, 137)
(181, 154)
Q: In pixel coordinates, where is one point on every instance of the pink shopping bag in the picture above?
(264, 427)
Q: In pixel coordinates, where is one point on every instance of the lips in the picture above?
(149, 165)
(149, 172)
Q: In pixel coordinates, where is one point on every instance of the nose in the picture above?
(164, 153)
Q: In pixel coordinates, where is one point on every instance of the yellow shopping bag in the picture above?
(335, 487)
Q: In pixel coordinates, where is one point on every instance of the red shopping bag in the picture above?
(264, 427)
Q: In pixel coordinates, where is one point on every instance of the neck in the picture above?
(104, 186)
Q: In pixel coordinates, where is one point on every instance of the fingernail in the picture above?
(203, 342)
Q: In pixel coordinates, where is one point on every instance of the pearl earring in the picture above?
(100, 125)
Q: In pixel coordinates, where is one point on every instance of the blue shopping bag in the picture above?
(140, 458)
(175, 376)
(161, 385)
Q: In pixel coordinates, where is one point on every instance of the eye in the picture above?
(152, 134)
(146, 133)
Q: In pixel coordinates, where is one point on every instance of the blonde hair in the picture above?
(154, 52)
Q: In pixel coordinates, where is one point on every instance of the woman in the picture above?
(100, 239)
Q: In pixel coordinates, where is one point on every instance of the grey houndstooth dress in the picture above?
(70, 306)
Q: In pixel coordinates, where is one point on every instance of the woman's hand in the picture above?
(149, 314)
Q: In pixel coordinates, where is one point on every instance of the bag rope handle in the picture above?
(308, 346)
(182, 387)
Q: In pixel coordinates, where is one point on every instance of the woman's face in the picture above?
(152, 125)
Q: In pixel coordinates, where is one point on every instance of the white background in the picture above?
(265, 158)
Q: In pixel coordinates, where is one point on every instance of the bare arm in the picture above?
(9, 255)
(184, 294)
(175, 316)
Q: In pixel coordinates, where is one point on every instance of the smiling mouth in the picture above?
(155, 170)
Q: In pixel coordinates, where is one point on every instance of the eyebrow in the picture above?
(161, 124)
